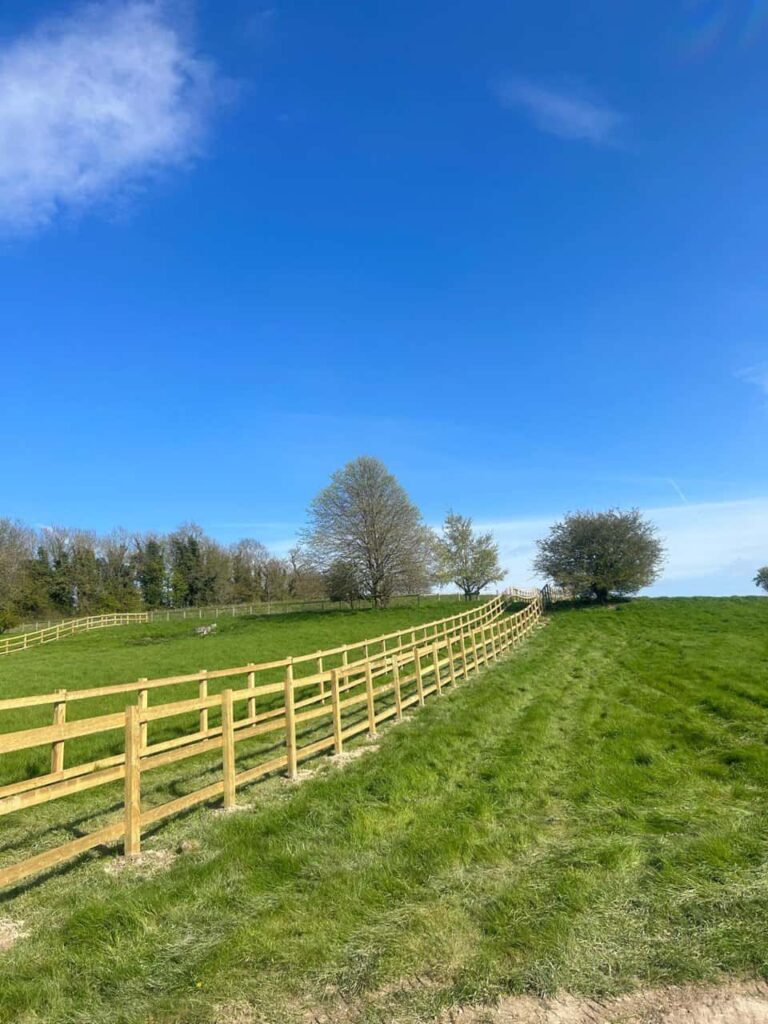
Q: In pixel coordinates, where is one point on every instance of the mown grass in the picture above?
(590, 814)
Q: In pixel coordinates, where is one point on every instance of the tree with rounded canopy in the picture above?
(596, 554)
(761, 579)
(365, 519)
(468, 559)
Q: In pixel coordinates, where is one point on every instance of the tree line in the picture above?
(364, 539)
(69, 572)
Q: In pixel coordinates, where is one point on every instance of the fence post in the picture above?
(396, 685)
(480, 651)
(132, 782)
(436, 666)
(338, 743)
(252, 686)
(464, 666)
(143, 702)
(450, 641)
(228, 748)
(59, 718)
(290, 721)
(496, 640)
(202, 693)
(419, 680)
(370, 701)
(322, 681)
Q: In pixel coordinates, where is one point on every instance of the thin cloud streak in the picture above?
(567, 114)
(676, 488)
(93, 106)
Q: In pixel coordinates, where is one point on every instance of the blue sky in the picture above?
(517, 251)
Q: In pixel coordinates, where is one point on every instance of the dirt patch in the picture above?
(224, 812)
(348, 756)
(10, 932)
(145, 864)
(738, 1002)
(734, 1003)
(302, 775)
(234, 1013)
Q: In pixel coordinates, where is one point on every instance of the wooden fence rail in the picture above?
(33, 634)
(315, 712)
(69, 627)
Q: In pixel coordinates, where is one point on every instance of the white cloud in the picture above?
(567, 114)
(712, 547)
(92, 106)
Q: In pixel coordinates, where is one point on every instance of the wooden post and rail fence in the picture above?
(22, 641)
(23, 637)
(347, 690)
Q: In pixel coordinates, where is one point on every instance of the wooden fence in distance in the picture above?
(69, 627)
(317, 712)
(34, 634)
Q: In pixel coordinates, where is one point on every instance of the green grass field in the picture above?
(125, 653)
(591, 815)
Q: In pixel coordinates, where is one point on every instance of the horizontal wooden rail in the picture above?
(31, 635)
(483, 612)
(20, 642)
(344, 700)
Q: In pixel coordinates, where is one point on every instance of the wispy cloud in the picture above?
(677, 489)
(757, 375)
(94, 105)
(566, 113)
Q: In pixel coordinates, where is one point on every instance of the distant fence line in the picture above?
(10, 644)
(384, 676)
(16, 641)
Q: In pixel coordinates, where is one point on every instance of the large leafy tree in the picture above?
(595, 554)
(468, 559)
(761, 579)
(119, 588)
(193, 570)
(150, 570)
(365, 519)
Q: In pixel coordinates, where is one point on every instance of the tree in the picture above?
(761, 579)
(17, 546)
(192, 577)
(35, 596)
(594, 554)
(305, 583)
(119, 590)
(248, 559)
(468, 559)
(150, 570)
(76, 580)
(342, 582)
(365, 518)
